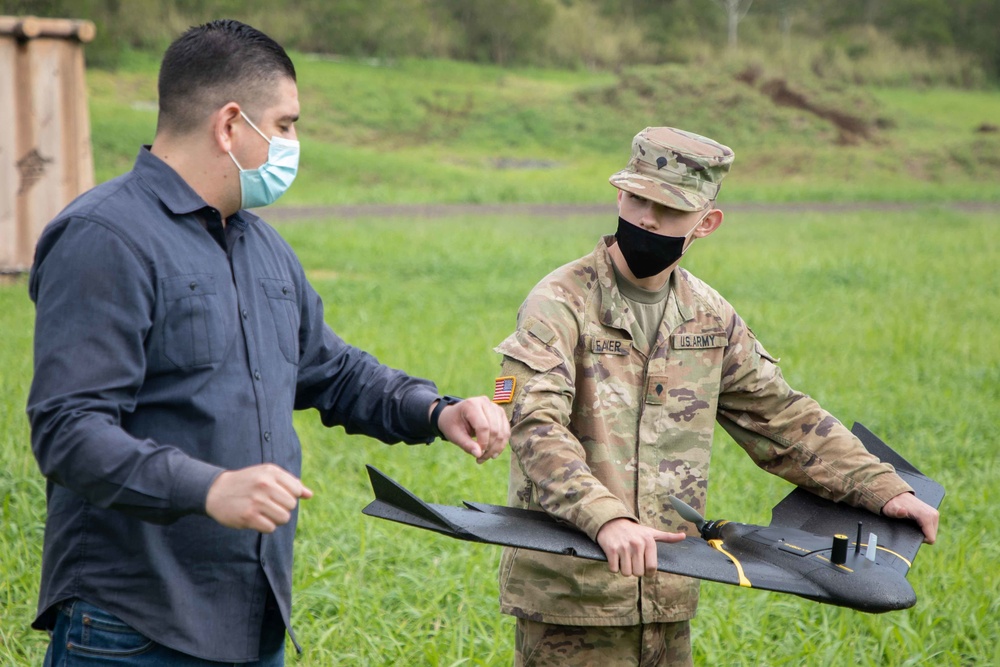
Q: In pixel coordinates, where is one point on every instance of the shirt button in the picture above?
(193, 285)
(256, 375)
(244, 313)
(267, 436)
(284, 290)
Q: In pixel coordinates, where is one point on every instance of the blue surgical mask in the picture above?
(263, 185)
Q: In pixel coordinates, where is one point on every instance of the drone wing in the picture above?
(526, 529)
(805, 511)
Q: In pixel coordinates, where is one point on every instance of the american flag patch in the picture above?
(503, 390)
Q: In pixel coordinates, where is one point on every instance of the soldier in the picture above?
(620, 366)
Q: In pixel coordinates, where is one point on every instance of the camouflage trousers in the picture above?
(649, 645)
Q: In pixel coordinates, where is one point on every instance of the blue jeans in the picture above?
(85, 635)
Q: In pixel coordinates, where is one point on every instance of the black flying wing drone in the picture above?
(805, 551)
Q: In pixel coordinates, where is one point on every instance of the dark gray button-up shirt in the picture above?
(167, 351)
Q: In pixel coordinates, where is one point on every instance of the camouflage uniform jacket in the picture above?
(601, 430)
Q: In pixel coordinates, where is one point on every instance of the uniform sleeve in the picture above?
(549, 455)
(350, 388)
(94, 301)
(788, 434)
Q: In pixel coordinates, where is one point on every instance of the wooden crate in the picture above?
(45, 154)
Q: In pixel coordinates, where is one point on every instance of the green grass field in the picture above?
(888, 318)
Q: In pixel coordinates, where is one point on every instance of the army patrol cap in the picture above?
(675, 168)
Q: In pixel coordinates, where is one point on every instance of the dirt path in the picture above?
(296, 213)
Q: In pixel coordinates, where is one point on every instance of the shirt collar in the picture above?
(612, 309)
(167, 184)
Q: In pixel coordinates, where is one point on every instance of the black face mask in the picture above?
(647, 253)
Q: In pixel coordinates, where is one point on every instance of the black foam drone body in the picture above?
(804, 551)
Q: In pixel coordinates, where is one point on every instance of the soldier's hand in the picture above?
(477, 425)
(908, 506)
(631, 547)
(260, 497)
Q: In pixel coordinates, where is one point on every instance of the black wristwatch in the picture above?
(443, 402)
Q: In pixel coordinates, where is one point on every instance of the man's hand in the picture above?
(478, 418)
(260, 497)
(631, 547)
(908, 506)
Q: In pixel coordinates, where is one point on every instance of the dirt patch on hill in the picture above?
(851, 129)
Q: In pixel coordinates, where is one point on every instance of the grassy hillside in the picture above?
(440, 131)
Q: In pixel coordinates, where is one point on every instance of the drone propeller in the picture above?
(687, 512)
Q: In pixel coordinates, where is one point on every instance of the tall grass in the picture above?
(886, 318)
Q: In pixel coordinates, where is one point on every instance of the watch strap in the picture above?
(443, 402)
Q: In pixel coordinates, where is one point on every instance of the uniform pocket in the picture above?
(192, 324)
(285, 313)
(525, 347)
(94, 632)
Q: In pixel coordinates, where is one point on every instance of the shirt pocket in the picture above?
(285, 314)
(192, 324)
(525, 347)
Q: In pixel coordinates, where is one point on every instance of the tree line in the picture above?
(560, 33)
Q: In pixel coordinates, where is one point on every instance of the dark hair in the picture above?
(216, 63)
